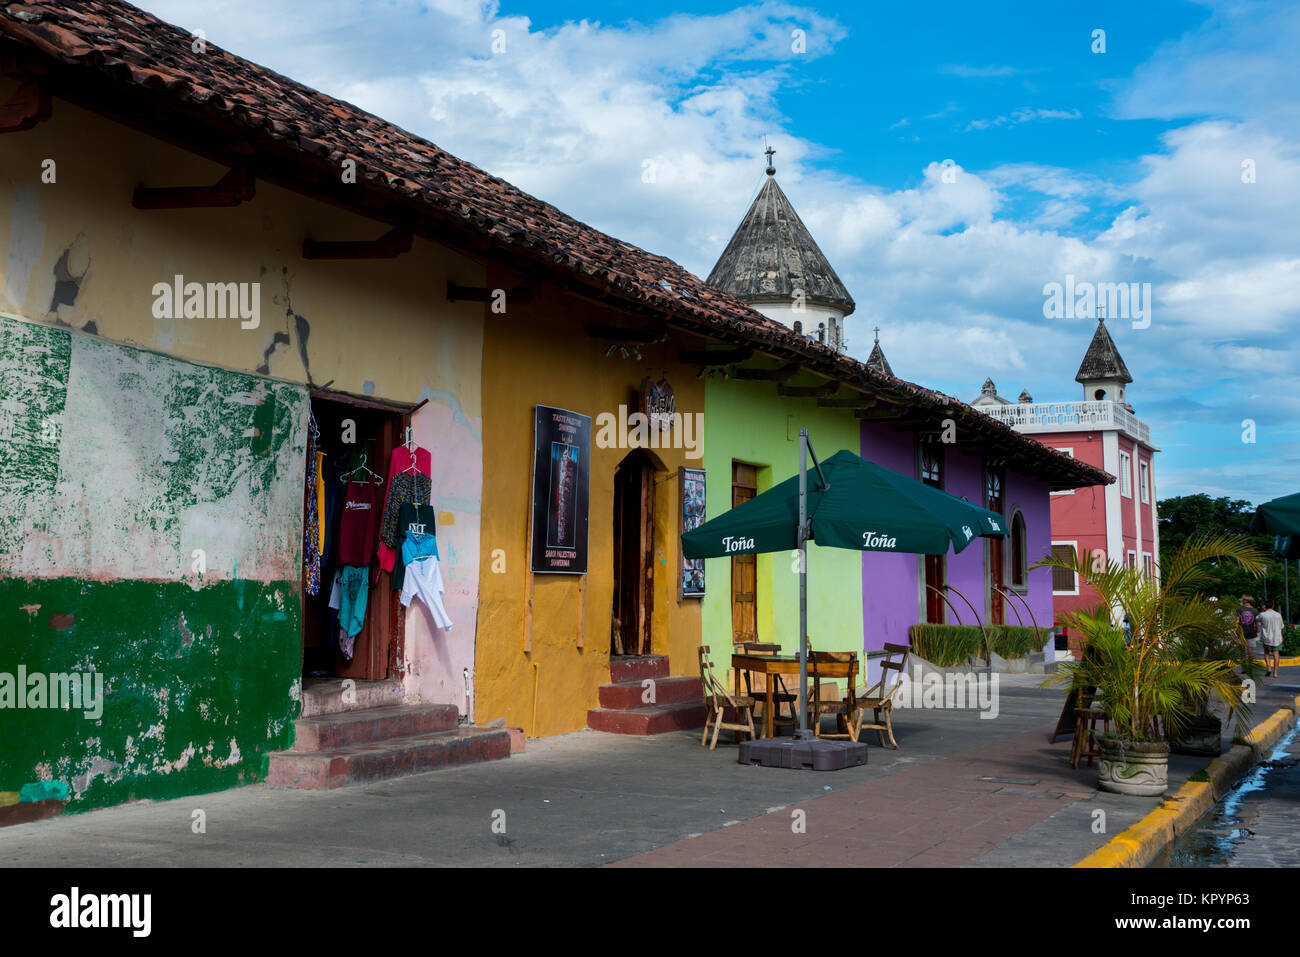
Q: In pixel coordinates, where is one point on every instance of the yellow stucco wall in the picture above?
(384, 321)
(540, 354)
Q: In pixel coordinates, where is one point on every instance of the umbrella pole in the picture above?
(1286, 587)
(803, 584)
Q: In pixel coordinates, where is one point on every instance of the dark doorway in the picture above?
(634, 506)
(352, 431)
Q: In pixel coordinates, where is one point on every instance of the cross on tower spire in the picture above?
(771, 170)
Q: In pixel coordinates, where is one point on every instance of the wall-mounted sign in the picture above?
(692, 517)
(561, 490)
(658, 403)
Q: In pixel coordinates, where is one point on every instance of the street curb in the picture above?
(1138, 845)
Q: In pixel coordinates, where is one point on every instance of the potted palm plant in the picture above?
(1147, 677)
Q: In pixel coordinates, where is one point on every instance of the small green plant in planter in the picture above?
(1222, 639)
(1147, 681)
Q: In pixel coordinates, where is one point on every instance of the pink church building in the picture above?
(1117, 521)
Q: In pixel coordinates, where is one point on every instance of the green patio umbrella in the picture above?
(1281, 519)
(852, 504)
(867, 507)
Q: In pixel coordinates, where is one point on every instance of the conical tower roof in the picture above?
(1102, 360)
(877, 361)
(772, 254)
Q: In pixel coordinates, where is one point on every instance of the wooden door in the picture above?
(934, 597)
(634, 499)
(993, 482)
(744, 568)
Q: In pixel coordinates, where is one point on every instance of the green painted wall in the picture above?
(199, 685)
(151, 539)
(748, 422)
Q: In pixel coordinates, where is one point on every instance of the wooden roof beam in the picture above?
(392, 244)
(783, 374)
(28, 105)
(809, 391)
(717, 357)
(621, 334)
(236, 187)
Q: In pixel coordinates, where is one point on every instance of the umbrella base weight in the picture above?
(812, 755)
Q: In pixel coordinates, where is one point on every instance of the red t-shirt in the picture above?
(359, 523)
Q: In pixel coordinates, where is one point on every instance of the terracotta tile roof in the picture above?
(103, 45)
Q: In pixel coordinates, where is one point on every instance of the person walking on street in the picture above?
(1246, 617)
(1270, 633)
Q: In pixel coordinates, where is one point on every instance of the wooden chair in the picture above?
(843, 709)
(780, 694)
(1087, 713)
(879, 698)
(717, 699)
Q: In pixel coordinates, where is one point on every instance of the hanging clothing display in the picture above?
(417, 519)
(320, 504)
(311, 542)
(404, 486)
(424, 576)
(357, 523)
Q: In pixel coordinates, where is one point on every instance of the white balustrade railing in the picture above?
(1070, 417)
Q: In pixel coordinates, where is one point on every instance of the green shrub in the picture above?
(945, 645)
(950, 645)
(1017, 641)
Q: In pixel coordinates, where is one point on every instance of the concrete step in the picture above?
(336, 695)
(377, 761)
(637, 667)
(346, 728)
(658, 719)
(630, 695)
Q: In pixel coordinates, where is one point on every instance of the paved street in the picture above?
(1258, 824)
(962, 791)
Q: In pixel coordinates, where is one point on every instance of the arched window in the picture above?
(1019, 552)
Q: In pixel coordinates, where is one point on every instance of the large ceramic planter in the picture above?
(1133, 767)
(1201, 736)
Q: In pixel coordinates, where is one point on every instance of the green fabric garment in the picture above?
(867, 507)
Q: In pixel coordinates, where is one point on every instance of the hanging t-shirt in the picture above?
(417, 519)
(424, 578)
(358, 523)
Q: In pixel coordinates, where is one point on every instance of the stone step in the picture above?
(658, 719)
(624, 668)
(378, 761)
(333, 696)
(345, 728)
(630, 695)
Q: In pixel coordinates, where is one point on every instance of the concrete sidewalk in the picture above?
(961, 791)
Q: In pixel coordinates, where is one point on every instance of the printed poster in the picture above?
(692, 517)
(561, 491)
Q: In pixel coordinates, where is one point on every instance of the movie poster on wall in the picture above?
(561, 491)
(692, 518)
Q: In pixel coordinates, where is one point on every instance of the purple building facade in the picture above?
(894, 586)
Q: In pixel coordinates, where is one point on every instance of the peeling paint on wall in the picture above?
(130, 462)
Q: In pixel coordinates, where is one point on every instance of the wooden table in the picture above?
(787, 665)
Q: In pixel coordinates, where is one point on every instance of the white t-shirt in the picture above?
(1270, 628)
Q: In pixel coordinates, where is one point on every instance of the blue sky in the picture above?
(1123, 165)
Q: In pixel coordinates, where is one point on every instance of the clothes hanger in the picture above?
(347, 476)
(412, 448)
